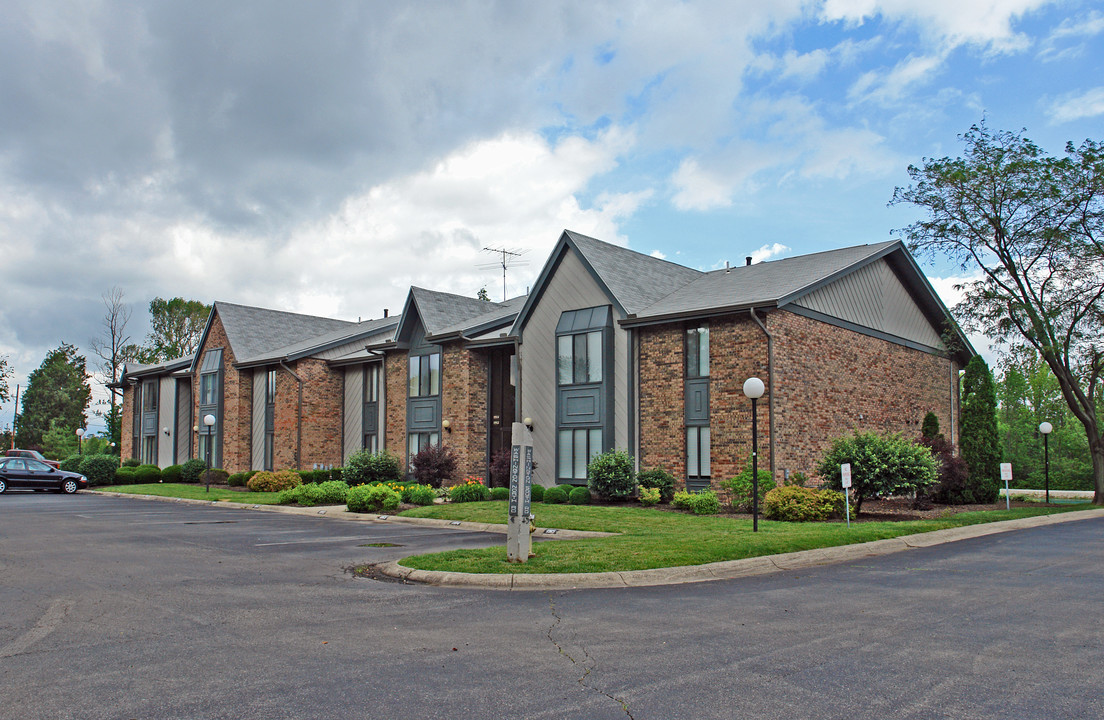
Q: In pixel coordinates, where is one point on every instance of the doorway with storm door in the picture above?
(501, 382)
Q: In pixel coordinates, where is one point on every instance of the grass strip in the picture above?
(652, 538)
(195, 492)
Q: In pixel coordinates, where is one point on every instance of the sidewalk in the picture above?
(725, 570)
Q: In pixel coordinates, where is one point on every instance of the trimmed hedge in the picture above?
(265, 481)
(191, 470)
(579, 496)
(330, 492)
(500, 493)
(537, 492)
(125, 475)
(556, 495)
(172, 474)
(241, 478)
(792, 503)
(99, 469)
(145, 474)
(71, 463)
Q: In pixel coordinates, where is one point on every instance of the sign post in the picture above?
(845, 478)
(518, 541)
(1006, 475)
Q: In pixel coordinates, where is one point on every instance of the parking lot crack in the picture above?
(581, 659)
(49, 622)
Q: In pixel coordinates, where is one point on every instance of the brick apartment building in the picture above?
(611, 349)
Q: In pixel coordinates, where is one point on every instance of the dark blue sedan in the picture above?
(17, 472)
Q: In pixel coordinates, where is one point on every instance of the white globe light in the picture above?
(208, 420)
(754, 388)
(1045, 428)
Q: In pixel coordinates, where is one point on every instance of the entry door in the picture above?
(501, 402)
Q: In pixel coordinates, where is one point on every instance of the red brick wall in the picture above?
(832, 381)
(237, 408)
(322, 402)
(464, 405)
(737, 352)
(829, 381)
(395, 370)
(126, 437)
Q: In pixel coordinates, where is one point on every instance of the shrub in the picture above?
(171, 474)
(881, 465)
(500, 468)
(266, 481)
(421, 495)
(131, 462)
(215, 476)
(611, 475)
(579, 496)
(649, 496)
(240, 479)
(371, 498)
(99, 469)
(659, 479)
(435, 466)
(797, 479)
(125, 475)
(951, 487)
(705, 503)
(191, 470)
(556, 495)
(367, 467)
(792, 503)
(71, 463)
(337, 474)
(471, 490)
(500, 493)
(929, 428)
(536, 492)
(683, 500)
(144, 474)
(741, 488)
(328, 492)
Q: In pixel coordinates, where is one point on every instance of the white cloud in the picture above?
(948, 290)
(804, 66)
(1077, 106)
(658, 255)
(1067, 40)
(890, 87)
(699, 189)
(769, 251)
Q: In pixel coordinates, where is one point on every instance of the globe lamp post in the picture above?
(754, 388)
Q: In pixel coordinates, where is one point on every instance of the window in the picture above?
(418, 441)
(149, 396)
(697, 453)
(697, 352)
(579, 358)
(208, 388)
(371, 407)
(270, 419)
(149, 450)
(205, 447)
(425, 375)
(576, 448)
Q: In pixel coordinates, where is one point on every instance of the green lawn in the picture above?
(195, 492)
(654, 538)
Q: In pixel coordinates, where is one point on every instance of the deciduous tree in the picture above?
(56, 391)
(176, 327)
(1031, 226)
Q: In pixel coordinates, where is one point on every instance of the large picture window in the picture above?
(270, 420)
(583, 399)
(696, 388)
(697, 454)
(370, 421)
(208, 388)
(697, 352)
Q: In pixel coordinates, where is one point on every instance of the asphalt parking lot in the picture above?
(124, 608)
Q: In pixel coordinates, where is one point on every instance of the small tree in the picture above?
(930, 427)
(435, 466)
(881, 465)
(367, 467)
(979, 441)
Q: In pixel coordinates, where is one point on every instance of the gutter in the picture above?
(299, 420)
(770, 378)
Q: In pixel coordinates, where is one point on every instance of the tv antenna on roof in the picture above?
(508, 260)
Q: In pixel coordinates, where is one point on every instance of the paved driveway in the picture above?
(122, 608)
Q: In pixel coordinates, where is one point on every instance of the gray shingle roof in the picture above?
(765, 283)
(443, 312)
(494, 314)
(636, 280)
(253, 331)
(369, 329)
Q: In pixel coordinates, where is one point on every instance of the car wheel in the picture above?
(3, 485)
(69, 487)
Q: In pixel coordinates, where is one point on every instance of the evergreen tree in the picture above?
(56, 391)
(930, 427)
(979, 441)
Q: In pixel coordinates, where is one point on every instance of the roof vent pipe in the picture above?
(385, 312)
(747, 260)
(726, 266)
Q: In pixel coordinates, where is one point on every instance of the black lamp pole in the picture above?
(754, 467)
(1046, 465)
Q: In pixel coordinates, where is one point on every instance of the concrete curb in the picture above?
(728, 569)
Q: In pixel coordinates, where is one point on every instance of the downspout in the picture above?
(298, 419)
(770, 378)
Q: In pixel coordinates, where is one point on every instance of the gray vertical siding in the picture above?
(166, 414)
(571, 287)
(875, 298)
(183, 421)
(258, 425)
(353, 420)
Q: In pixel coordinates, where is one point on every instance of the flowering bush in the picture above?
(274, 481)
(471, 490)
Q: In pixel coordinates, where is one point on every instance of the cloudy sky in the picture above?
(321, 157)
